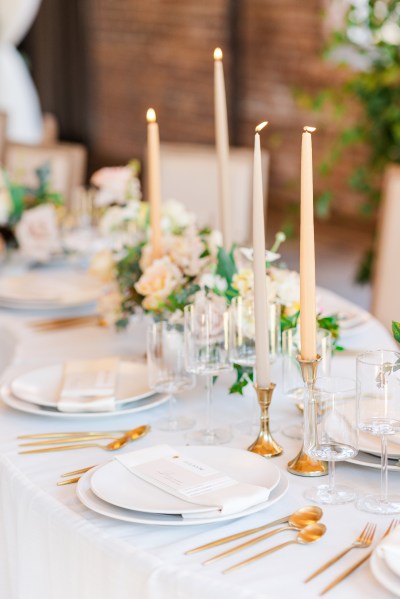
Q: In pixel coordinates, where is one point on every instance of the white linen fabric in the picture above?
(389, 549)
(88, 385)
(51, 546)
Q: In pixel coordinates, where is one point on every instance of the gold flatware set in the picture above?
(76, 440)
(305, 522)
(54, 324)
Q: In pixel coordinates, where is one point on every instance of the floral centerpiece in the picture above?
(28, 218)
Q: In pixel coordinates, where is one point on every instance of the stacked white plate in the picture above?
(113, 491)
(370, 452)
(385, 562)
(36, 392)
(48, 290)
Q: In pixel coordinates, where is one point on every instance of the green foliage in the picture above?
(376, 90)
(244, 376)
(24, 197)
(396, 330)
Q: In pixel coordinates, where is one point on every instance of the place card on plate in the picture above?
(192, 481)
(88, 385)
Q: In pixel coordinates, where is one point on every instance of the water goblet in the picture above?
(206, 354)
(378, 414)
(166, 369)
(333, 434)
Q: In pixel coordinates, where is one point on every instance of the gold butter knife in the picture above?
(70, 434)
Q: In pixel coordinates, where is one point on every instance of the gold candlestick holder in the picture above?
(265, 445)
(302, 464)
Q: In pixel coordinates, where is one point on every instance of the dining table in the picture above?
(53, 547)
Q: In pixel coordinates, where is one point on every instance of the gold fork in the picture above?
(71, 481)
(363, 541)
(354, 567)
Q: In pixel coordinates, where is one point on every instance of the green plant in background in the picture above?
(369, 43)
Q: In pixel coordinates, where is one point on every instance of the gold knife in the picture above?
(132, 435)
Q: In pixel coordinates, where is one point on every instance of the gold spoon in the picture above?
(310, 514)
(296, 521)
(309, 534)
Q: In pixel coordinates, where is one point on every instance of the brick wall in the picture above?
(159, 53)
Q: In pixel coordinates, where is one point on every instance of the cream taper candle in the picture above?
(260, 280)
(222, 146)
(308, 322)
(153, 181)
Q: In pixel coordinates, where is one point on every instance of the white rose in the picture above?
(37, 233)
(175, 216)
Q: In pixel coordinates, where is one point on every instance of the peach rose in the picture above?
(158, 282)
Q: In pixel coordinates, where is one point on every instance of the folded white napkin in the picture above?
(88, 385)
(389, 550)
(192, 481)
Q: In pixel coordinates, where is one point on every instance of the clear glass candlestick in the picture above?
(378, 414)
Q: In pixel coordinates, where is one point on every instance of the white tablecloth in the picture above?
(52, 547)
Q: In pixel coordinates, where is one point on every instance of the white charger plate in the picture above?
(384, 574)
(41, 386)
(48, 290)
(114, 484)
(91, 501)
(372, 444)
(128, 408)
(371, 461)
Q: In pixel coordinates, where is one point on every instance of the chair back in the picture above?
(386, 280)
(3, 133)
(67, 163)
(189, 174)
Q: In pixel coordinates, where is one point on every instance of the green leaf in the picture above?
(226, 266)
(396, 330)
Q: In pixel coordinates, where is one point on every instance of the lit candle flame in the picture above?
(151, 115)
(218, 54)
(261, 126)
(309, 129)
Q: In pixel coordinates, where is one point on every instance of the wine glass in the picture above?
(332, 434)
(378, 414)
(293, 385)
(242, 349)
(206, 353)
(166, 369)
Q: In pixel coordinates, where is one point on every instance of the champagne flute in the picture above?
(378, 414)
(166, 369)
(206, 353)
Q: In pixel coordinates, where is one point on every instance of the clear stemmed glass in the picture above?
(242, 349)
(206, 353)
(378, 413)
(334, 435)
(293, 385)
(166, 369)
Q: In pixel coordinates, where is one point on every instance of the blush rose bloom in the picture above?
(158, 282)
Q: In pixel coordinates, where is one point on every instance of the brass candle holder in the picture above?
(265, 445)
(302, 464)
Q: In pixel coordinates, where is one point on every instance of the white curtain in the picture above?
(18, 96)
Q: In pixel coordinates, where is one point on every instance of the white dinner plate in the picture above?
(48, 290)
(41, 386)
(114, 484)
(128, 408)
(384, 574)
(94, 503)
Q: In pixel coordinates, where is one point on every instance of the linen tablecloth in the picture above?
(52, 547)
